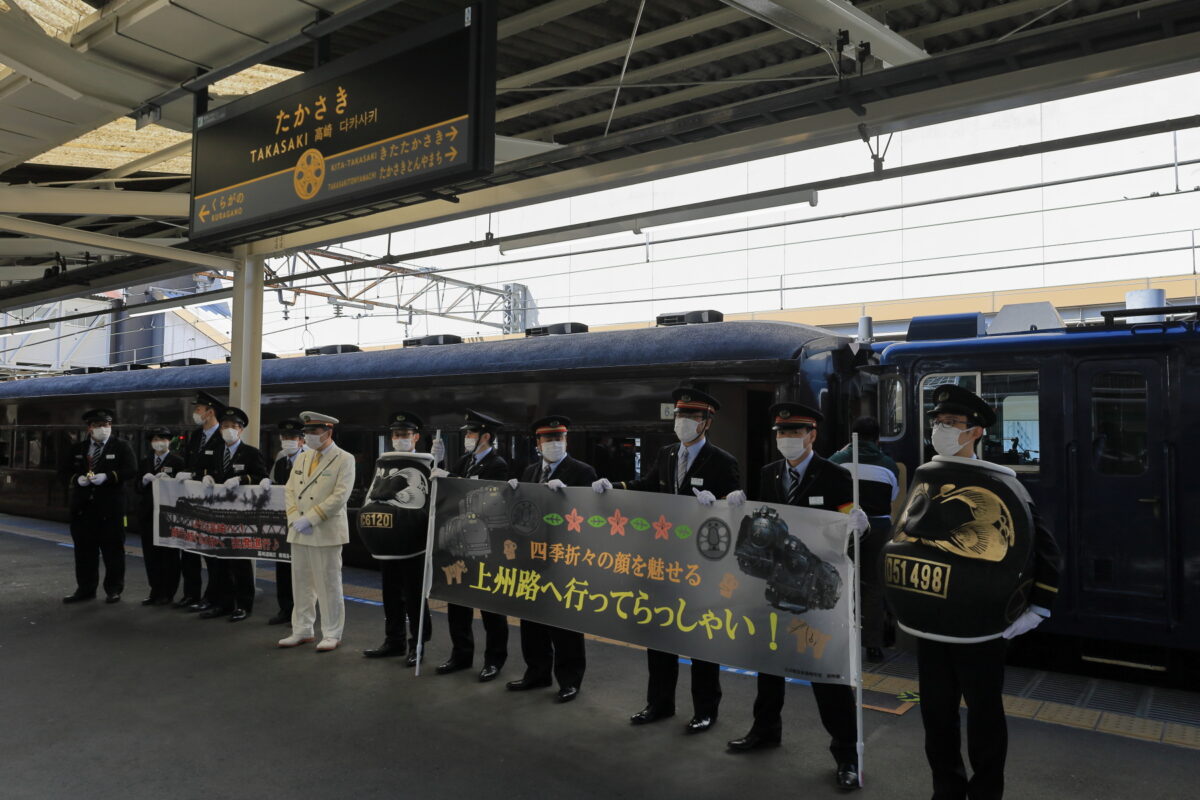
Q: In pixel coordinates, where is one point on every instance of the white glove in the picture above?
(82, 480)
(438, 450)
(147, 478)
(302, 526)
(162, 476)
(513, 483)
(231, 483)
(207, 480)
(705, 497)
(859, 522)
(98, 478)
(438, 472)
(265, 483)
(183, 476)
(736, 498)
(1024, 623)
(555, 485)
(601, 486)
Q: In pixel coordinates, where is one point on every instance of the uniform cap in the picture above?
(952, 399)
(688, 399)
(290, 427)
(478, 421)
(552, 424)
(790, 416)
(405, 420)
(206, 399)
(160, 433)
(313, 419)
(98, 415)
(231, 414)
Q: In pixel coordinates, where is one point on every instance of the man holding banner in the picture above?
(803, 478)
(291, 444)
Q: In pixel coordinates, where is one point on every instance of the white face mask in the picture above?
(230, 435)
(290, 446)
(553, 451)
(313, 441)
(160, 446)
(791, 447)
(197, 418)
(101, 434)
(469, 443)
(403, 444)
(686, 430)
(946, 440)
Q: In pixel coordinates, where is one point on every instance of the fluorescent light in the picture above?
(706, 212)
(569, 233)
(20, 331)
(186, 302)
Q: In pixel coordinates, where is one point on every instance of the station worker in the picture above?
(233, 463)
(162, 563)
(202, 443)
(95, 471)
(803, 478)
(878, 486)
(694, 467)
(317, 492)
(402, 578)
(291, 444)
(483, 461)
(548, 650)
(953, 667)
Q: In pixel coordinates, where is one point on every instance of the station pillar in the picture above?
(245, 366)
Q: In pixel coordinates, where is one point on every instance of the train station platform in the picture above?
(123, 701)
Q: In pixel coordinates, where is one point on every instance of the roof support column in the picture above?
(245, 367)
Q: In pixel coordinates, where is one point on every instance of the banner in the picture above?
(762, 587)
(242, 522)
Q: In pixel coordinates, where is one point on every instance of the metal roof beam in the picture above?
(540, 15)
(28, 227)
(74, 202)
(45, 248)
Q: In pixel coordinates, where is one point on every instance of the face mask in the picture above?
(945, 440)
(791, 448)
(290, 446)
(197, 418)
(403, 445)
(313, 441)
(230, 435)
(553, 451)
(469, 443)
(101, 434)
(161, 446)
(686, 430)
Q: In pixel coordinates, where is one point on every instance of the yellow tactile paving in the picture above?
(1062, 714)
(895, 685)
(1021, 706)
(1182, 735)
(871, 680)
(1133, 727)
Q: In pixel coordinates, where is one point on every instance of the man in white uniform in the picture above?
(317, 491)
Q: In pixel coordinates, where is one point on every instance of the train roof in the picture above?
(722, 346)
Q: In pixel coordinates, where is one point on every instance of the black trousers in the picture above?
(974, 672)
(835, 704)
(217, 588)
(189, 568)
(162, 563)
(548, 650)
(874, 611)
(401, 581)
(239, 583)
(462, 639)
(283, 586)
(97, 538)
(664, 675)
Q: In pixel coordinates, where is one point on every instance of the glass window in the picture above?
(1015, 439)
(891, 407)
(1119, 423)
(967, 380)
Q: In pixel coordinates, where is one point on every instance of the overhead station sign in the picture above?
(409, 114)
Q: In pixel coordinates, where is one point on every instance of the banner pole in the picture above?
(426, 576)
(856, 621)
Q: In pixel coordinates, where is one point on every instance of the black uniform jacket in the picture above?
(116, 460)
(570, 471)
(1047, 562)
(197, 452)
(491, 467)
(712, 470)
(281, 468)
(247, 464)
(171, 465)
(823, 485)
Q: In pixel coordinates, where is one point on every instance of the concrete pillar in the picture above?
(245, 368)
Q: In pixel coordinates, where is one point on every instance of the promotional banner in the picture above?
(394, 520)
(241, 522)
(762, 587)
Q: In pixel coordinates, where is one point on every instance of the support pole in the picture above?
(856, 622)
(245, 366)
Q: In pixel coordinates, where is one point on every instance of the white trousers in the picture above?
(317, 580)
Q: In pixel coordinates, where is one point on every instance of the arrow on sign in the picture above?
(452, 152)
(452, 134)
(203, 213)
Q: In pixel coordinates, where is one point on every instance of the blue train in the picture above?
(1091, 418)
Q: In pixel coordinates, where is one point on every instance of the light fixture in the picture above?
(570, 233)
(337, 302)
(21, 330)
(186, 302)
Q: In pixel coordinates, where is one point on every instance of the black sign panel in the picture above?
(408, 114)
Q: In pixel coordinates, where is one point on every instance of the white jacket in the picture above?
(318, 489)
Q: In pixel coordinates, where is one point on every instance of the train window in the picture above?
(22, 439)
(967, 380)
(891, 407)
(1119, 401)
(1015, 439)
(5, 447)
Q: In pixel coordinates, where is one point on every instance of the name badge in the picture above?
(111, 456)
(239, 467)
(167, 470)
(474, 477)
(208, 452)
(816, 500)
(697, 481)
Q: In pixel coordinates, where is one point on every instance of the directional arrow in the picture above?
(203, 213)
(452, 134)
(452, 152)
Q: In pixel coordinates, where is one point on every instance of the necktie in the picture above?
(794, 492)
(93, 454)
(316, 459)
(157, 462)
(545, 473)
(681, 468)
(227, 462)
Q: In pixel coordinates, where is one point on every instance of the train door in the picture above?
(1122, 486)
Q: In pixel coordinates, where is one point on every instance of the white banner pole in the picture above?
(856, 621)
(426, 576)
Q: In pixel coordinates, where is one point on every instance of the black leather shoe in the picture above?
(78, 597)
(754, 740)
(150, 601)
(568, 693)
(238, 614)
(388, 649)
(185, 602)
(200, 605)
(650, 714)
(115, 597)
(411, 661)
(280, 618)
(524, 684)
(213, 612)
(489, 673)
(847, 777)
(699, 724)
(874, 654)
(452, 666)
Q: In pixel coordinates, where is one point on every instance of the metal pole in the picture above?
(245, 366)
(427, 576)
(856, 633)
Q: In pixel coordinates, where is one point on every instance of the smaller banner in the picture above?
(393, 521)
(242, 522)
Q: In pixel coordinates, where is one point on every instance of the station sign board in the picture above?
(408, 114)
